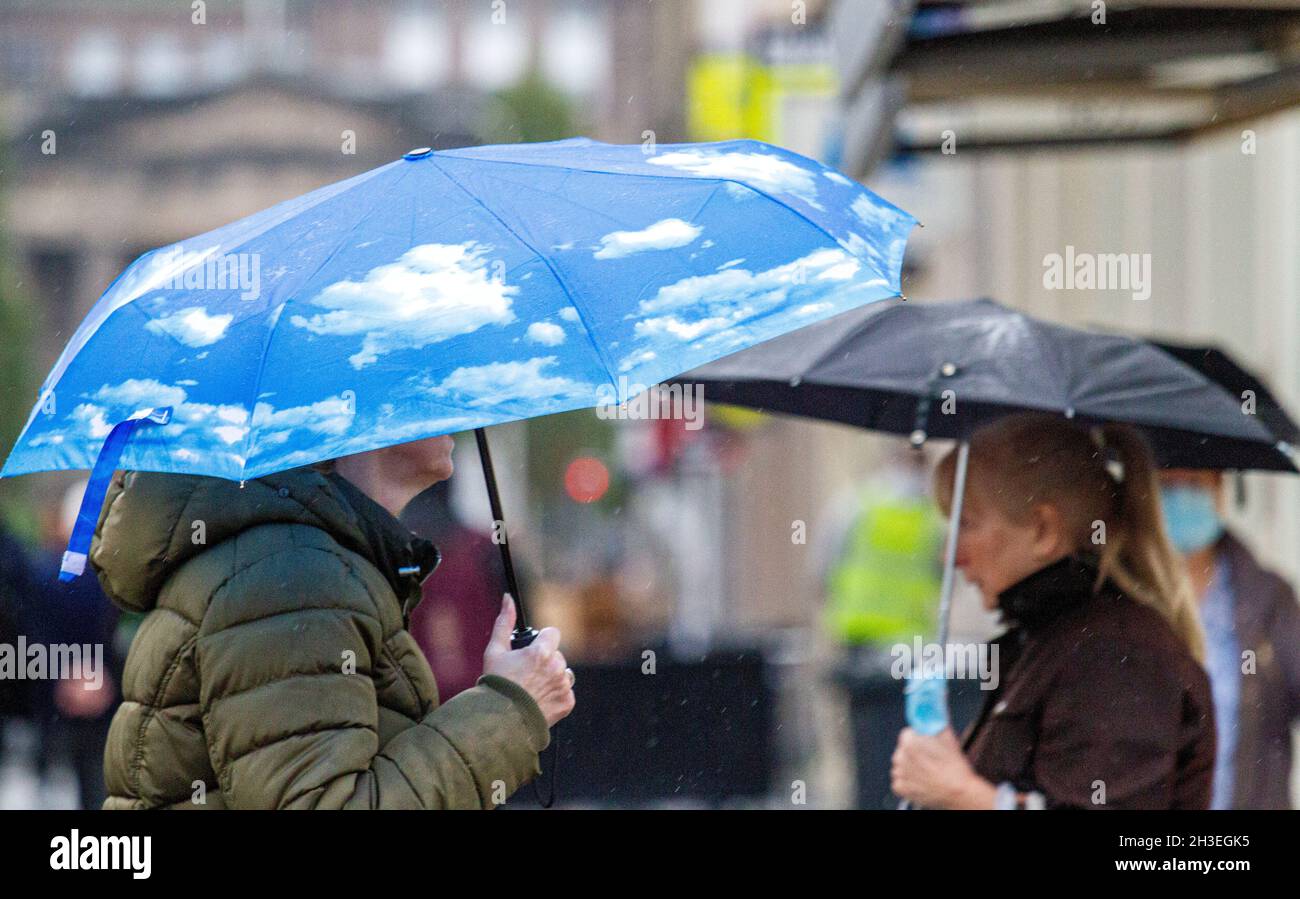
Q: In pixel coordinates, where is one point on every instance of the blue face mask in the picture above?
(1191, 517)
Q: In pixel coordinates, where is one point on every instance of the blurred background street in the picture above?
(1013, 129)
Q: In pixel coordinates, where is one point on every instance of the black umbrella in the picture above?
(1221, 368)
(943, 369)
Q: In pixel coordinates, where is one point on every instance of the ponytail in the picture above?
(1138, 556)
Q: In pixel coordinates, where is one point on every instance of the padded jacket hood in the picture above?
(273, 668)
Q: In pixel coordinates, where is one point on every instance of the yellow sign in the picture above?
(735, 95)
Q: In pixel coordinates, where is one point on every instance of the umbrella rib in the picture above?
(665, 175)
(856, 331)
(270, 334)
(591, 336)
(573, 168)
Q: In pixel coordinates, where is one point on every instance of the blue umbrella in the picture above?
(448, 291)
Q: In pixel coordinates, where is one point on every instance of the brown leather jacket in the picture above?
(1268, 623)
(1099, 704)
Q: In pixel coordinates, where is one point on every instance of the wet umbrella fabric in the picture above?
(947, 368)
(448, 291)
(1225, 371)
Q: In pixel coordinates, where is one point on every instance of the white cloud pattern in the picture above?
(331, 416)
(767, 172)
(113, 403)
(545, 333)
(506, 382)
(192, 326)
(666, 234)
(710, 306)
(431, 293)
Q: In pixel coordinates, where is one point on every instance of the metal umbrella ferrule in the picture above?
(920, 430)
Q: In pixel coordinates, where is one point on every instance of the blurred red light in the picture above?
(586, 479)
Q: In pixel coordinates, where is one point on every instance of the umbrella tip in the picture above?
(418, 153)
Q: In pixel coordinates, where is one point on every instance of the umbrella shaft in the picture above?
(950, 550)
(499, 527)
(950, 558)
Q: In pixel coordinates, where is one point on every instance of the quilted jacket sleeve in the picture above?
(290, 713)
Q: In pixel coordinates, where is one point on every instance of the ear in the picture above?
(1048, 538)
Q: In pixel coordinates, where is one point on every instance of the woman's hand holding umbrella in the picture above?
(539, 667)
(932, 772)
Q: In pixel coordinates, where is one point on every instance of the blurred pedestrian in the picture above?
(17, 584)
(882, 587)
(1252, 630)
(879, 552)
(1101, 701)
(72, 713)
(274, 668)
(461, 599)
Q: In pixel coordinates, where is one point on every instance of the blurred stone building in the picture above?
(123, 179)
(136, 124)
(132, 125)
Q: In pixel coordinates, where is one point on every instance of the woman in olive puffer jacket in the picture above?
(273, 668)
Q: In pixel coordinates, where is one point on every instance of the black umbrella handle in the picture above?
(523, 634)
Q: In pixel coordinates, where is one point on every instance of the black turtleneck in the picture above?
(1049, 592)
(1031, 604)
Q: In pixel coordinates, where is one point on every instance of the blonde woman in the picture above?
(1102, 700)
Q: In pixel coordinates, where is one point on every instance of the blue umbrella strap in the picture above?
(92, 501)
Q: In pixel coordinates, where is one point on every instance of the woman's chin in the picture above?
(442, 472)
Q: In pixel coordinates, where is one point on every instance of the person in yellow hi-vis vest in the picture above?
(883, 586)
(880, 563)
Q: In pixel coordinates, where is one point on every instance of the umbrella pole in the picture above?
(523, 634)
(950, 551)
(950, 560)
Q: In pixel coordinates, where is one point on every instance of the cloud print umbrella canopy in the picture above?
(453, 290)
